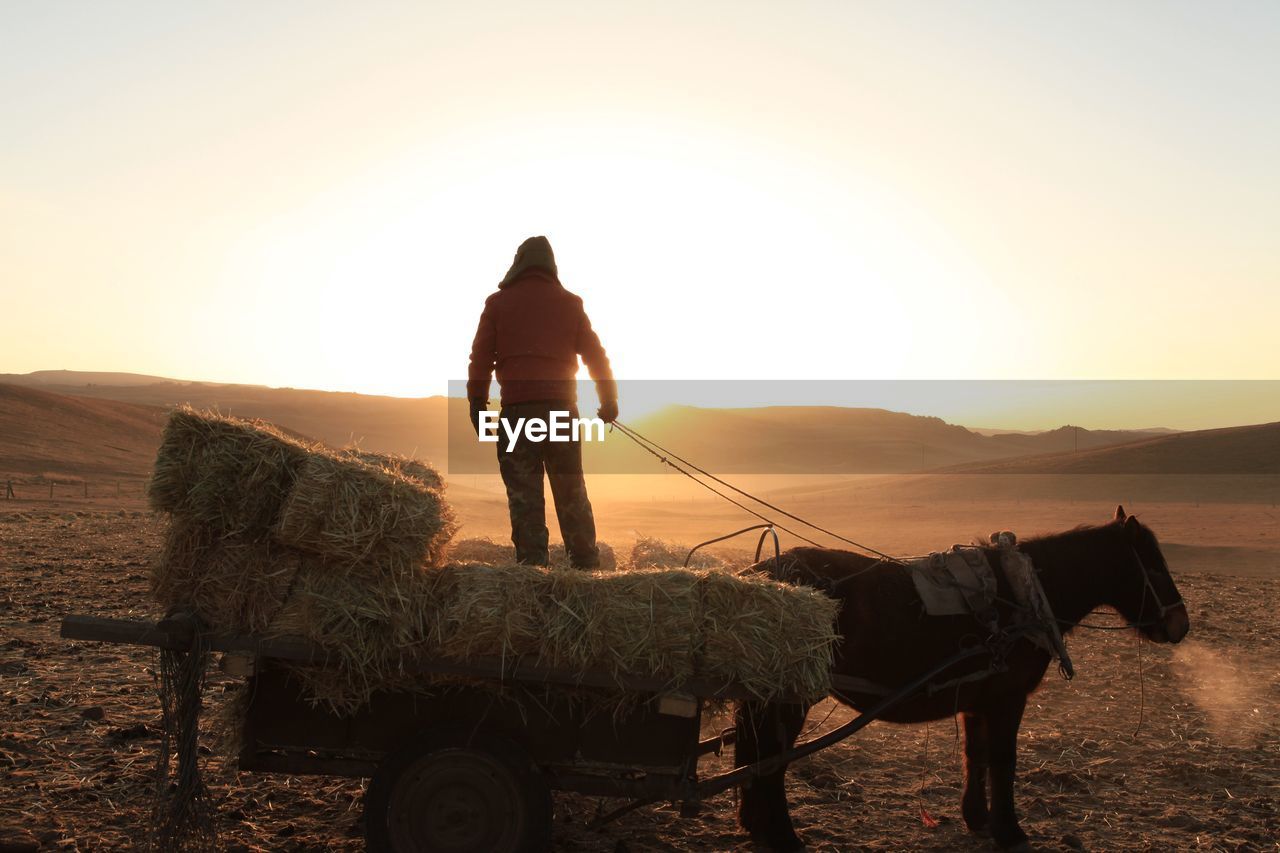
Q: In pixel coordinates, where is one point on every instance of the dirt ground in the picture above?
(79, 723)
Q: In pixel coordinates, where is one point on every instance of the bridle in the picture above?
(1151, 588)
(1159, 620)
(1162, 608)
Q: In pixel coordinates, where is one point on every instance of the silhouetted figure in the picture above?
(532, 332)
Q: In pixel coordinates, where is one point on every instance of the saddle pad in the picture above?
(1027, 591)
(955, 582)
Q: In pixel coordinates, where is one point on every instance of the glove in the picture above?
(608, 411)
(477, 406)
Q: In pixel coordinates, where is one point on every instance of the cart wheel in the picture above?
(445, 794)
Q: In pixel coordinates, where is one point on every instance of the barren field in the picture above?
(79, 723)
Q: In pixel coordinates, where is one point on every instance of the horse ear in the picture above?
(1131, 525)
(1120, 516)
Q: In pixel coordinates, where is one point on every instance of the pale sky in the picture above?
(322, 195)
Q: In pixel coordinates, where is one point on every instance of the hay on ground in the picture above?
(649, 552)
(358, 515)
(485, 550)
(481, 549)
(231, 581)
(229, 474)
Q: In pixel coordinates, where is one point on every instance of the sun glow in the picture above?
(838, 191)
(670, 237)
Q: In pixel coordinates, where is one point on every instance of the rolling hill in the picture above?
(412, 426)
(74, 378)
(780, 440)
(42, 433)
(770, 440)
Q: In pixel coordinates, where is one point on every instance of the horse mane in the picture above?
(1078, 547)
(1059, 534)
(1071, 533)
(980, 541)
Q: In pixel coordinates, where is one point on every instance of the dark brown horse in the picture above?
(886, 639)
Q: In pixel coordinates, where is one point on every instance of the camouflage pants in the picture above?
(522, 468)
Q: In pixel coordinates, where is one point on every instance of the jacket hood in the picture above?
(533, 254)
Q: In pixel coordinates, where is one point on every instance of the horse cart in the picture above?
(471, 767)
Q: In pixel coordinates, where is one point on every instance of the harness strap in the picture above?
(996, 648)
(845, 684)
(1023, 576)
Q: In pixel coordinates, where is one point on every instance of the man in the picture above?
(532, 332)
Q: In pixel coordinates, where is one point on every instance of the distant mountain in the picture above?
(88, 435)
(837, 440)
(1072, 438)
(1067, 433)
(768, 440)
(1232, 450)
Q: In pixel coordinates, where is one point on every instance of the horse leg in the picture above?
(746, 750)
(973, 805)
(1003, 718)
(764, 730)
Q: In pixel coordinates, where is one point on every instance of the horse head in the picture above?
(1143, 589)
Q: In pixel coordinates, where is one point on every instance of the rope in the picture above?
(667, 461)
(182, 816)
(1142, 691)
(665, 456)
(1142, 609)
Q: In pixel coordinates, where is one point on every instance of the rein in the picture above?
(665, 456)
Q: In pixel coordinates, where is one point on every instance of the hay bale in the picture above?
(485, 550)
(368, 630)
(357, 515)
(404, 466)
(761, 634)
(649, 552)
(345, 612)
(229, 474)
(231, 581)
(676, 624)
(489, 610)
(637, 623)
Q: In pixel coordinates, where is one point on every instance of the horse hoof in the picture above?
(1023, 846)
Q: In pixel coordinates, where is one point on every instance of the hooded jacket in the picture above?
(531, 333)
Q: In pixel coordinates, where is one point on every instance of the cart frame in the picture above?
(647, 755)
